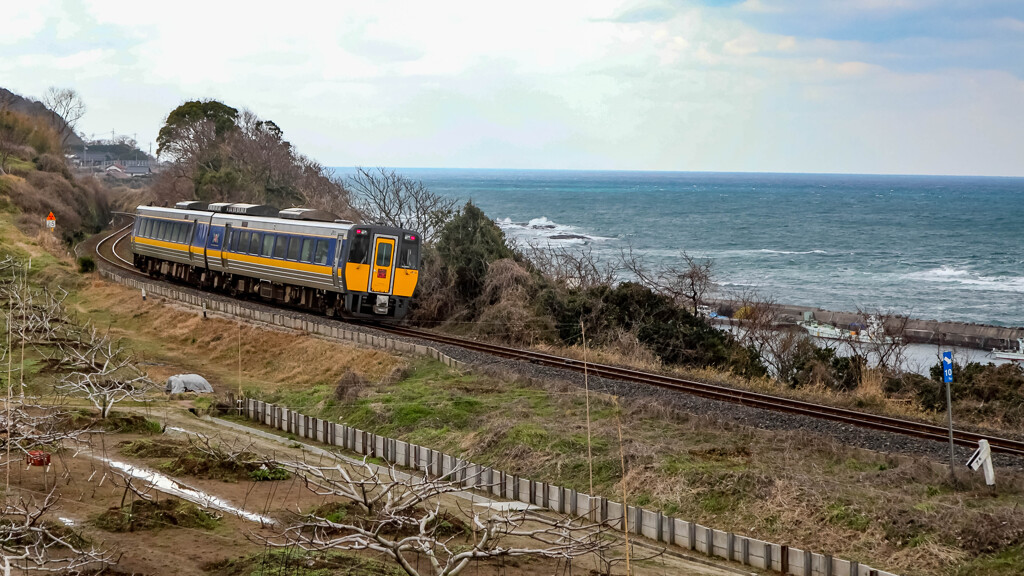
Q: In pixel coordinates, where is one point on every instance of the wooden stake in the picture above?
(586, 386)
(625, 507)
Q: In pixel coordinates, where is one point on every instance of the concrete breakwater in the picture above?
(960, 334)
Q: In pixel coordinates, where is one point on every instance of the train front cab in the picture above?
(381, 270)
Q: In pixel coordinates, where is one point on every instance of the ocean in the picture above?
(933, 247)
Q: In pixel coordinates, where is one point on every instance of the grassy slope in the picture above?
(896, 513)
(785, 487)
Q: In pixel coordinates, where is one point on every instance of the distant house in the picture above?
(115, 171)
(137, 171)
(103, 155)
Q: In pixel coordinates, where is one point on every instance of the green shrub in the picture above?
(263, 474)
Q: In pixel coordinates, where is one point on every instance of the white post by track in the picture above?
(982, 458)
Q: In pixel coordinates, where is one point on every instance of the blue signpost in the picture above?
(947, 377)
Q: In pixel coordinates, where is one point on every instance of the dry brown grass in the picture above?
(174, 338)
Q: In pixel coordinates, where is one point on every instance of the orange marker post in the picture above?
(51, 222)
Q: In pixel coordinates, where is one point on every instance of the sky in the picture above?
(851, 86)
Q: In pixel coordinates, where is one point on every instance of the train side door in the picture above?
(224, 246)
(382, 268)
(338, 273)
(193, 229)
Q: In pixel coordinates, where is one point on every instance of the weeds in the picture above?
(146, 515)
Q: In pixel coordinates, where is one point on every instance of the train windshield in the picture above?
(409, 254)
(360, 251)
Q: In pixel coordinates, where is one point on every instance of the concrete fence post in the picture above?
(784, 559)
(692, 535)
(745, 551)
(828, 564)
(767, 556)
(808, 562)
(709, 536)
(730, 541)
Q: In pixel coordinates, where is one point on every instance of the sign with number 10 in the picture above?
(947, 366)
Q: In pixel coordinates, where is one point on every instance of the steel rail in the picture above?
(702, 389)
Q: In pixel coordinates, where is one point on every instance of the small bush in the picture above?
(52, 163)
(263, 474)
(86, 264)
(144, 515)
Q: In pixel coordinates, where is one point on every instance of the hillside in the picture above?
(35, 108)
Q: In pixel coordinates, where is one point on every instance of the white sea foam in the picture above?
(968, 279)
(762, 251)
(789, 252)
(543, 231)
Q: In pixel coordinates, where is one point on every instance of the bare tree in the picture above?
(27, 425)
(400, 516)
(570, 266)
(881, 339)
(391, 198)
(29, 543)
(67, 107)
(761, 328)
(103, 372)
(688, 281)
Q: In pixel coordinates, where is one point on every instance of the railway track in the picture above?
(106, 250)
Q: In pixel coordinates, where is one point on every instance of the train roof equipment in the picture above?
(310, 214)
(192, 205)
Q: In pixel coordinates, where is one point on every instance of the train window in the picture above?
(147, 226)
(242, 245)
(321, 252)
(383, 254)
(359, 253)
(254, 245)
(409, 255)
(161, 233)
(182, 233)
(268, 245)
(232, 241)
(293, 248)
(281, 248)
(172, 231)
(307, 250)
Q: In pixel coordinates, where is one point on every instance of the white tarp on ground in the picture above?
(187, 383)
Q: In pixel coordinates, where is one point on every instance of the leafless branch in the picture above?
(688, 280)
(400, 516)
(395, 200)
(28, 542)
(570, 266)
(67, 107)
(103, 371)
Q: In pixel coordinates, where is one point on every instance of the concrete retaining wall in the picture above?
(282, 318)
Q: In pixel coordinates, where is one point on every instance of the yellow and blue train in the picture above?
(300, 257)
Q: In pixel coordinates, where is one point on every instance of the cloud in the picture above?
(757, 85)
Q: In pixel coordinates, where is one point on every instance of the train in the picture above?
(299, 257)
